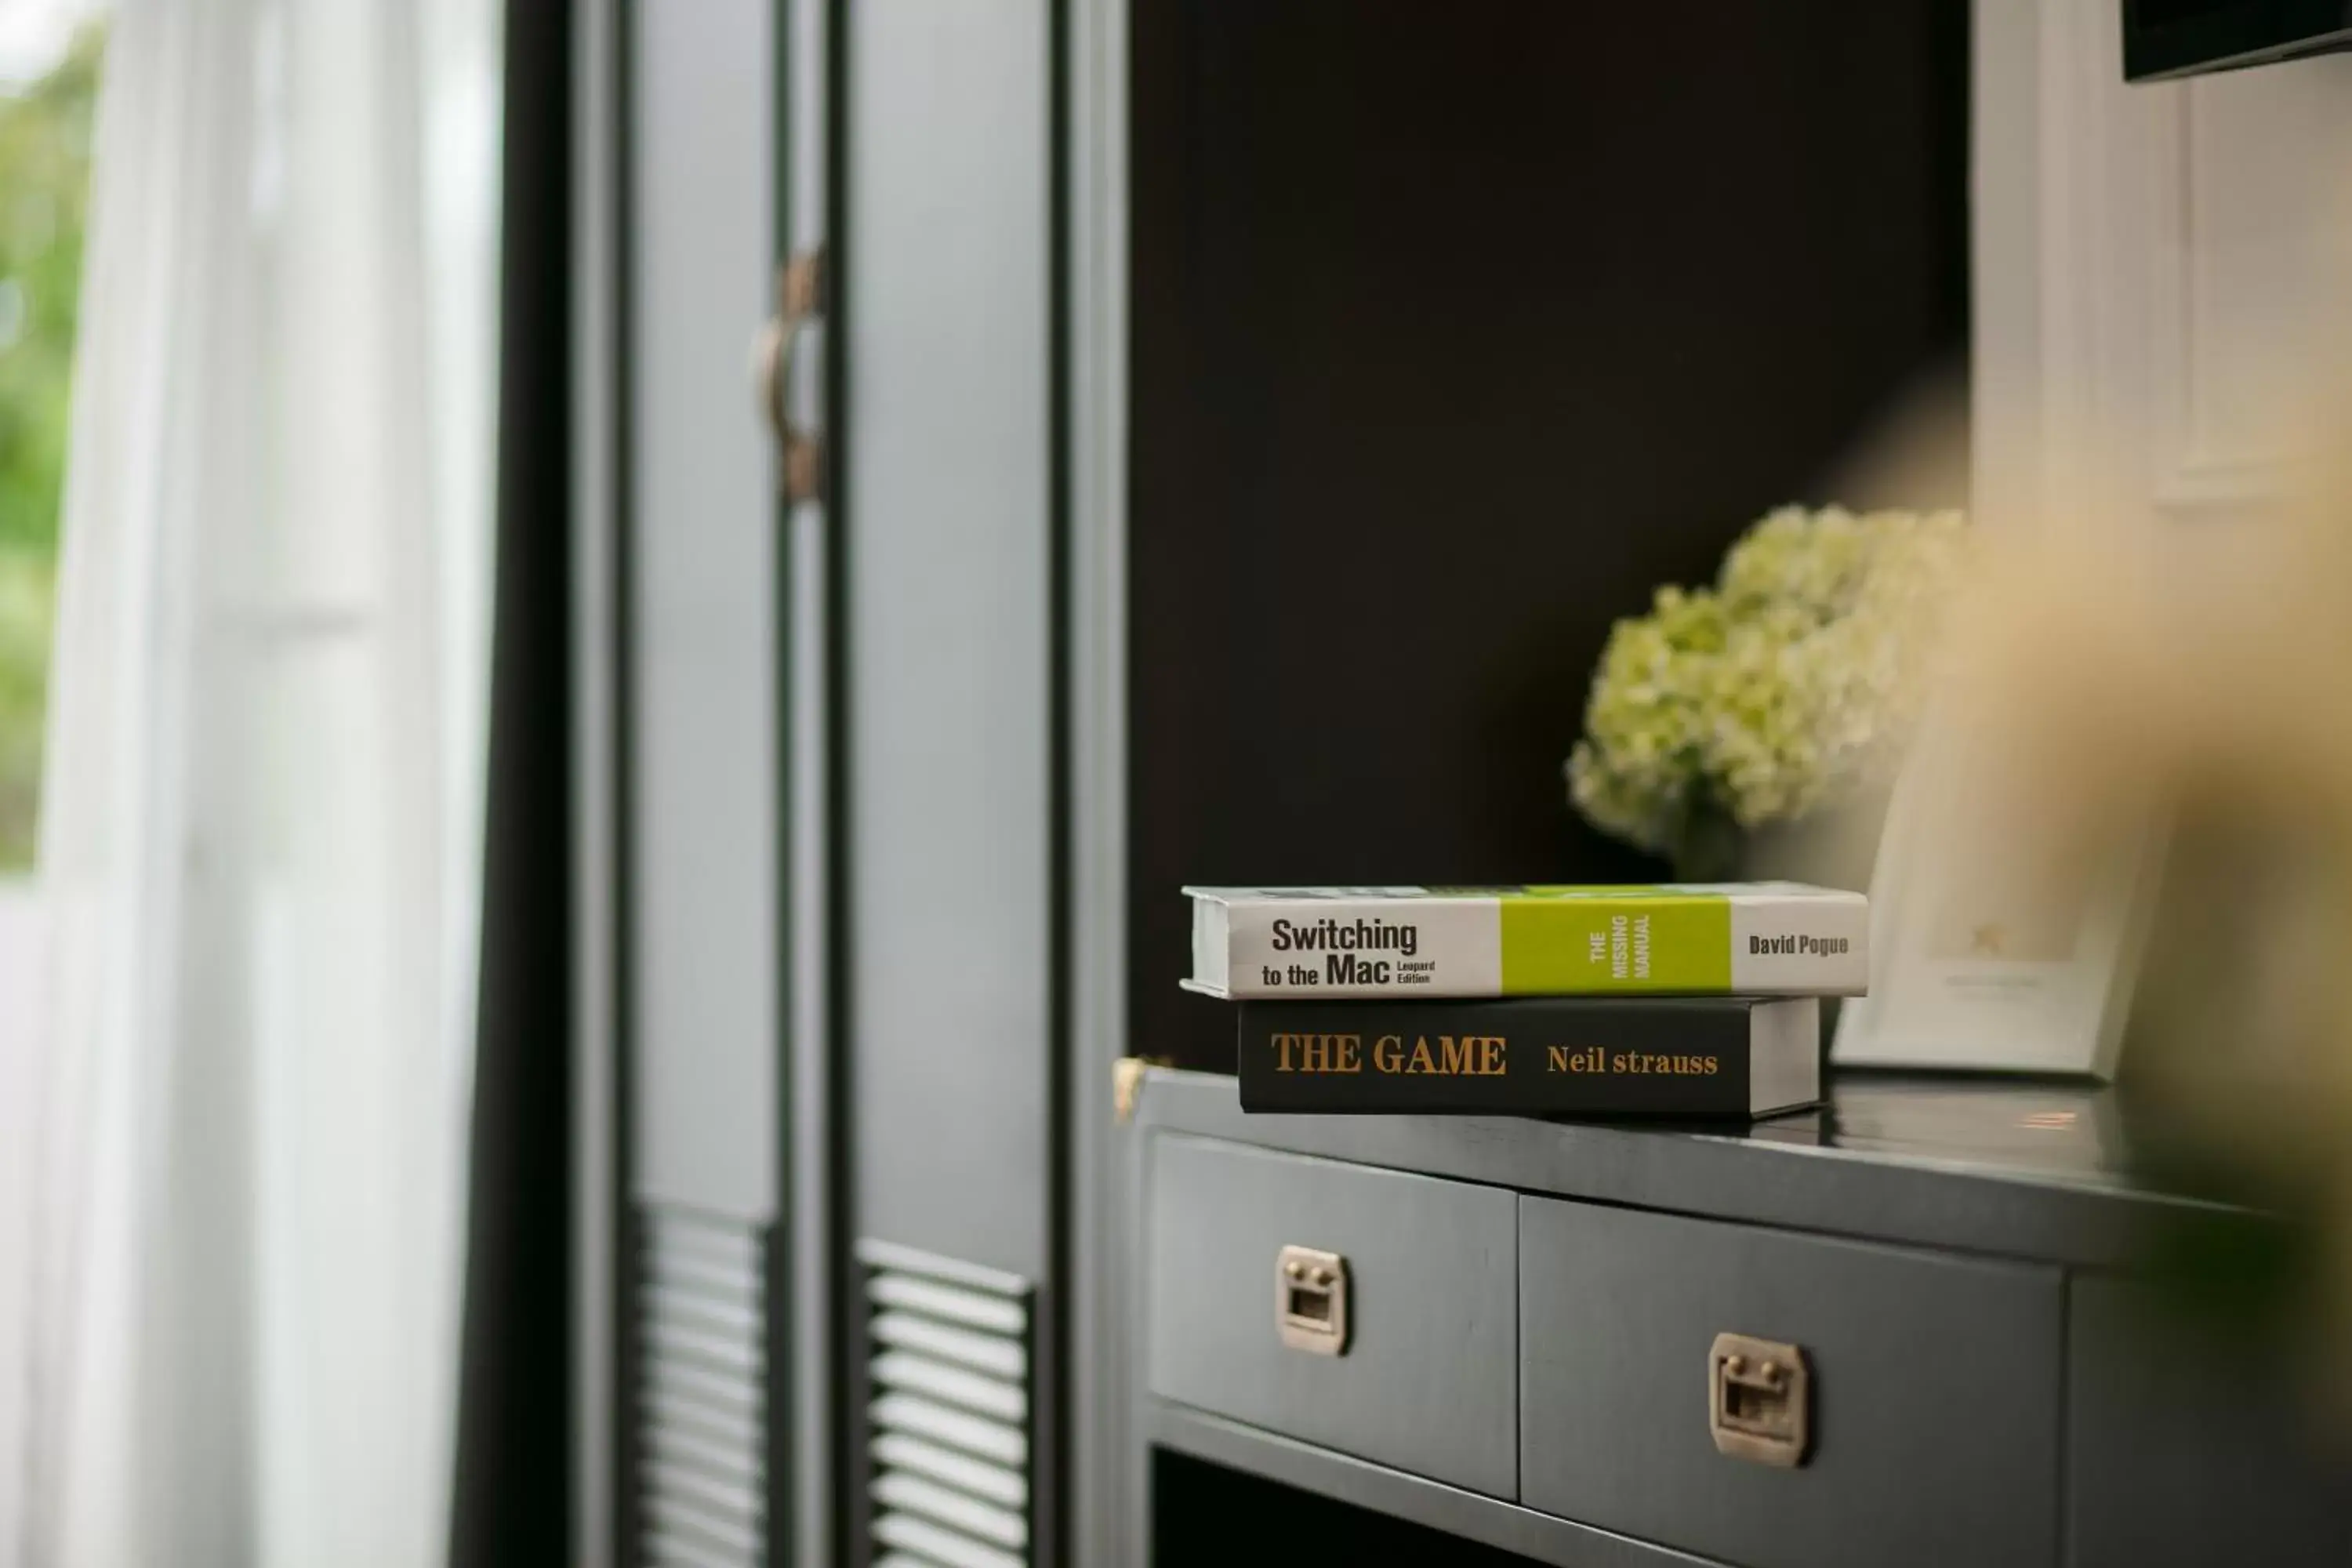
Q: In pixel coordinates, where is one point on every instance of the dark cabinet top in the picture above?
(2036, 1170)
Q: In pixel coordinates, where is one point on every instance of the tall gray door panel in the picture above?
(944, 516)
(839, 729)
(677, 617)
(702, 876)
(702, 891)
(701, 906)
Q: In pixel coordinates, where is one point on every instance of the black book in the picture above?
(1540, 1056)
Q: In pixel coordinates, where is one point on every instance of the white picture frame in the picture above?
(1959, 986)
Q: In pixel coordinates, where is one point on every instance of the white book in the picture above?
(1747, 938)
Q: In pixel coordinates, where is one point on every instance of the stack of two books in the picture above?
(1682, 1001)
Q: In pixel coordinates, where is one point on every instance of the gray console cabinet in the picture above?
(1990, 1383)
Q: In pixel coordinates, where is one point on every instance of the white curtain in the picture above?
(237, 1336)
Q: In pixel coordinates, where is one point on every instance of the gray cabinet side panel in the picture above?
(703, 763)
(944, 516)
(2176, 1457)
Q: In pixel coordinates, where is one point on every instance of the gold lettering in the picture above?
(1420, 1058)
(1315, 1053)
(1350, 1054)
(1453, 1055)
(1556, 1059)
(1282, 1052)
(1710, 1063)
(1490, 1055)
(1388, 1053)
(1619, 1065)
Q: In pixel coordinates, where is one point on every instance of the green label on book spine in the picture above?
(1586, 945)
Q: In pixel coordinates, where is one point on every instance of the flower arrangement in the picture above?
(1788, 686)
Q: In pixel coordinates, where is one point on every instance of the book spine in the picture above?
(1747, 944)
(1498, 1057)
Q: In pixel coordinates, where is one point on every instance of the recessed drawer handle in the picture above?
(1759, 1400)
(1310, 1300)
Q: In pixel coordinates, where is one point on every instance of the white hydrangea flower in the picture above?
(1795, 680)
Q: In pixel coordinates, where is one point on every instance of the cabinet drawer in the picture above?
(1934, 1386)
(1428, 1380)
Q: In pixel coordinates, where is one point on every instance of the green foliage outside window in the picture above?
(45, 151)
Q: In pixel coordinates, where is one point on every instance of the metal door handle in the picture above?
(799, 299)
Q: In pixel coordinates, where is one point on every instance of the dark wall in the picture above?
(1456, 331)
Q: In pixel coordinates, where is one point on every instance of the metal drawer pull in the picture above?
(1758, 1400)
(800, 297)
(1310, 1300)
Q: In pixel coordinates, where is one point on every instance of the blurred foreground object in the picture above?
(1788, 687)
(2211, 669)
